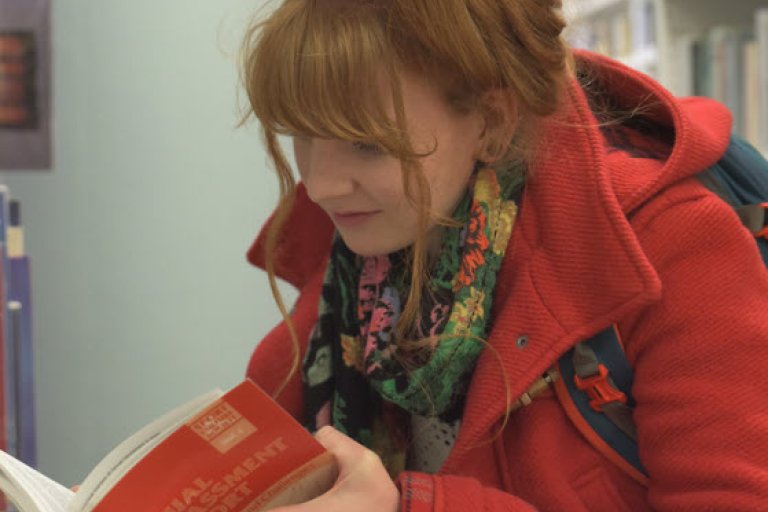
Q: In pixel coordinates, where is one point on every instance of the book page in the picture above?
(29, 489)
(121, 459)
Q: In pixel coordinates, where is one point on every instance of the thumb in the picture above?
(344, 448)
(351, 456)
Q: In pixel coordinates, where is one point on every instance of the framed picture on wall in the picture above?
(25, 85)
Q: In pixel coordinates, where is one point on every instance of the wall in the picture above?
(142, 295)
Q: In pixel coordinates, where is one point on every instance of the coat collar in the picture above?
(304, 246)
(575, 265)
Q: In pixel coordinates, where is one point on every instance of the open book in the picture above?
(233, 452)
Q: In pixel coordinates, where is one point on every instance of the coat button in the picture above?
(522, 342)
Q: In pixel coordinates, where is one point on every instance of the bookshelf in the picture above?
(623, 29)
(709, 48)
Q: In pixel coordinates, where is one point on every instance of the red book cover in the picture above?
(241, 453)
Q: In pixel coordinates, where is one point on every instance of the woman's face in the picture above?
(360, 187)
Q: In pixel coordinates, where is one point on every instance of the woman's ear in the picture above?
(500, 113)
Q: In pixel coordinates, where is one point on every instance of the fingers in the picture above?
(321, 503)
(337, 443)
(348, 452)
(363, 482)
(354, 460)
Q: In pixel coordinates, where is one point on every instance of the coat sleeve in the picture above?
(700, 356)
(420, 492)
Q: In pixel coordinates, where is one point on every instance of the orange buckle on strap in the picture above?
(763, 233)
(599, 390)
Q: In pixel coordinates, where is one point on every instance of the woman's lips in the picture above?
(350, 219)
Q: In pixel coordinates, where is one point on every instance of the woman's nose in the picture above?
(323, 172)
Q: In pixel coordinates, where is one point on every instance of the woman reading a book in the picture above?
(471, 200)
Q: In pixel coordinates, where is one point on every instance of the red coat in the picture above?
(602, 238)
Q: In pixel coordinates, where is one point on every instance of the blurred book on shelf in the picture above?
(622, 29)
(721, 52)
(729, 63)
(18, 432)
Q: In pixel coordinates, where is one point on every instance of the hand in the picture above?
(363, 483)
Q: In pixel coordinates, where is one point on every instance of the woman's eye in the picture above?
(369, 148)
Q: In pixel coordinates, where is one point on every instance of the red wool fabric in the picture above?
(602, 238)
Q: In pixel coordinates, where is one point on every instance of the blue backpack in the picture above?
(595, 378)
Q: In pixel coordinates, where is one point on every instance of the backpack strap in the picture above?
(740, 178)
(755, 218)
(595, 377)
(595, 391)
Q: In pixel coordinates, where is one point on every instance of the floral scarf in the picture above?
(353, 378)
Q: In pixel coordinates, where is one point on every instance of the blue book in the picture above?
(9, 374)
(20, 336)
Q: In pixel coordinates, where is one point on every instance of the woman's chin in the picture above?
(369, 244)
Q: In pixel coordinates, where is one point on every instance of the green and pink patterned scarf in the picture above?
(353, 379)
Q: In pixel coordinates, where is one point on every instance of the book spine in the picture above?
(761, 34)
(9, 369)
(20, 323)
(751, 93)
(684, 58)
(727, 66)
(7, 420)
(734, 77)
